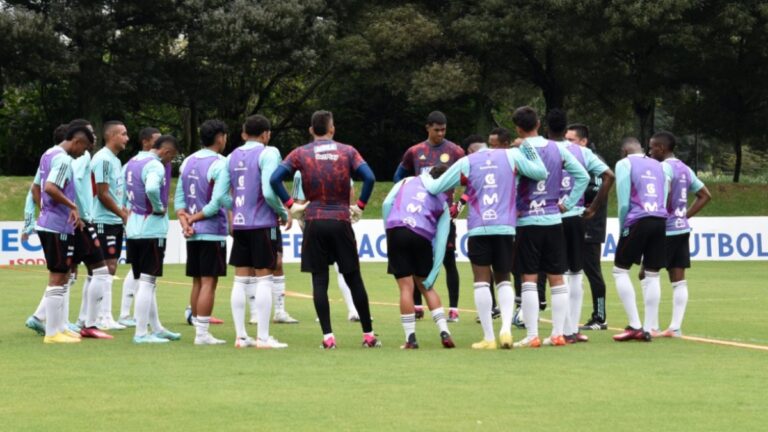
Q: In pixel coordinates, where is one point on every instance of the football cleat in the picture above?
(630, 333)
(594, 323)
(215, 321)
(371, 341)
(453, 315)
(578, 337)
(419, 311)
(484, 345)
(558, 340)
(188, 315)
(60, 338)
(329, 343)
(167, 334)
(352, 318)
(655, 333)
(70, 333)
(208, 339)
(127, 321)
(528, 342)
(149, 338)
(35, 325)
(94, 333)
(74, 328)
(673, 333)
(246, 342)
(411, 343)
(495, 313)
(284, 318)
(505, 340)
(270, 343)
(253, 320)
(517, 318)
(109, 324)
(445, 339)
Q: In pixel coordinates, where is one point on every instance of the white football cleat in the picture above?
(247, 342)
(284, 318)
(270, 343)
(208, 339)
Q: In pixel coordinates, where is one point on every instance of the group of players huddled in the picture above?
(527, 219)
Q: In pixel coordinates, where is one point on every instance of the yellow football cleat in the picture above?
(505, 340)
(59, 338)
(485, 345)
(71, 334)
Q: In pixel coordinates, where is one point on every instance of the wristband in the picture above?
(361, 204)
(289, 203)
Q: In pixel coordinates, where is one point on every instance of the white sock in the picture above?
(54, 299)
(154, 313)
(327, 336)
(96, 287)
(484, 303)
(576, 298)
(64, 324)
(345, 293)
(278, 293)
(263, 287)
(201, 325)
(237, 302)
(505, 296)
(438, 316)
(144, 296)
(627, 296)
(409, 324)
(530, 306)
(106, 304)
(559, 309)
(82, 317)
(651, 298)
(679, 301)
(129, 292)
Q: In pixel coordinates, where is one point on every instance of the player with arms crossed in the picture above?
(417, 225)
(490, 177)
(202, 193)
(326, 167)
(682, 180)
(147, 185)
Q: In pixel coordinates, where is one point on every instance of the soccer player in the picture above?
(594, 235)
(56, 226)
(682, 180)
(326, 167)
(573, 222)
(147, 186)
(346, 295)
(147, 138)
(255, 211)
(419, 159)
(108, 212)
(641, 191)
(417, 225)
(202, 193)
(491, 177)
(540, 238)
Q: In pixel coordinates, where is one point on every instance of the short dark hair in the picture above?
(667, 139)
(525, 118)
(436, 117)
(581, 130)
(321, 121)
(147, 132)
(60, 133)
(556, 121)
(438, 170)
(78, 122)
(109, 125)
(210, 129)
(474, 138)
(74, 130)
(503, 133)
(256, 125)
(162, 139)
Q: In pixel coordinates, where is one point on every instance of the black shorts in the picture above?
(645, 242)
(573, 230)
(678, 251)
(87, 246)
(111, 238)
(496, 251)
(59, 250)
(279, 241)
(408, 254)
(328, 241)
(146, 256)
(206, 258)
(256, 248)
(539, 249)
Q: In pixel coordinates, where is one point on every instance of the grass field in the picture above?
(728, 199)
(597, 386)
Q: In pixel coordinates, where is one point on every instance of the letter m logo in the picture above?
(239, 201)
(490, 199)
(412, 208)
(651, 207)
